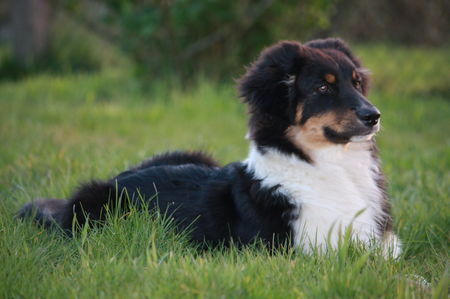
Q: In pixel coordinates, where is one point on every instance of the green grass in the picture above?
(59, 131)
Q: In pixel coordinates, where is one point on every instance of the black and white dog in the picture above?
(312, 169)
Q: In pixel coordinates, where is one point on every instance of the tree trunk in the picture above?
(30, 21)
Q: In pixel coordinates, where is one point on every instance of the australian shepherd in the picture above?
(312, 171)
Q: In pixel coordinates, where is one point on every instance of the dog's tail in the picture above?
(88, 202)
(46, 212)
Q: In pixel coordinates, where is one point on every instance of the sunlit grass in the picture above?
(59, 131)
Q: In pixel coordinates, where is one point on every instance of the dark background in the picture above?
(175, 39)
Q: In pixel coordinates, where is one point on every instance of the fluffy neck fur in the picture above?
(338, 189)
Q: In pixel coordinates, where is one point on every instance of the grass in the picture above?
(59, 131)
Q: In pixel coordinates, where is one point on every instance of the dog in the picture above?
(311, 174)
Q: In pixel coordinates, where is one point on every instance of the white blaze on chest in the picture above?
(329, 193)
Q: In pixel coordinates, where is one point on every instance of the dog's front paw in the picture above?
(392, 246)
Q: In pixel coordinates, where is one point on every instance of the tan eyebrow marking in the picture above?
(354, 75)
(330, 78)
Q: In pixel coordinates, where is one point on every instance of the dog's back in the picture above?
(90, 200)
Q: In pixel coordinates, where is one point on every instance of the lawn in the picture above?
(58, 131)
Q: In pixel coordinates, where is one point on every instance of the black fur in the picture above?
(272, 99)
(179, 158)
(226, 204)
(339, 45)
(219, 205)
(271, 103)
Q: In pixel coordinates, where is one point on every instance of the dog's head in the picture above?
(306, 96)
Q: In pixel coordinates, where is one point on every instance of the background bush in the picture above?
(215, 37)
(175, 39)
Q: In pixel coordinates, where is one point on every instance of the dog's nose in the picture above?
(369, 116)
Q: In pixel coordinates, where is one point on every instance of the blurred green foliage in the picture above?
(177, 41)
(73, 48)
(394, 69)
(405, 22)
(215, 37)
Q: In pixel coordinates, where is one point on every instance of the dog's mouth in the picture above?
(357, 133)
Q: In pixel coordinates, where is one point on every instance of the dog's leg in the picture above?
(392, 246)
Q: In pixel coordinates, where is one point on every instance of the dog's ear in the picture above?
(266, 81)
(340, 45)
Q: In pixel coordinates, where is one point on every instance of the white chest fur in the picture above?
(338, 189)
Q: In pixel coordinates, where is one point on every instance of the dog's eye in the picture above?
(323, 88)
(357, 84)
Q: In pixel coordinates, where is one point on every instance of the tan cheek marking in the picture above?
(330, 78)
(310, 136)
(342, 121)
